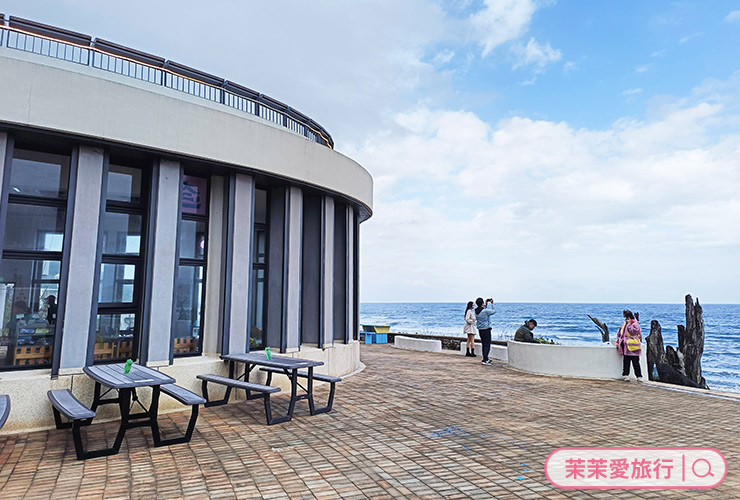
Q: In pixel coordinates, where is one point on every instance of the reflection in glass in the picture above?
(39, 174)
(27, 311)
(194, 195)
(31, 227)
(188, 306)
(117, 283)
(257, 328)
(124, 184)
(260, 206)
(192, 239)
(121, 233)
(114, 336)
(260, 247)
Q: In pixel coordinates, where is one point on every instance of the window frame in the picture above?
(139, 261)
(192, 262)
(66, 203)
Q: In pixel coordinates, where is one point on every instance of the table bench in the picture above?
(4, 409)
(185, 397)
(230, 383)
(64, 403)
(316, 376)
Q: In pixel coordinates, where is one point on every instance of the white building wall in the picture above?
(327, 330)
(295, 232)
(241, 263)
(163, 267)
(214, 268)
(80, 296)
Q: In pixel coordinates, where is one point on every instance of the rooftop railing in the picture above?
(77, 48)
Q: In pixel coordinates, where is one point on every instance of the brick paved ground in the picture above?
(412, 425)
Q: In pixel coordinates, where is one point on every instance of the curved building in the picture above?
(154, 212)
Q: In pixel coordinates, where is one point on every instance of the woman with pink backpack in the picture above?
(629, 345)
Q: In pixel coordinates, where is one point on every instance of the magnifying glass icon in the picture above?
(709, 468)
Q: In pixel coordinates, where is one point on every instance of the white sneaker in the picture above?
(486, 362)
(626, 378)
(639, 379)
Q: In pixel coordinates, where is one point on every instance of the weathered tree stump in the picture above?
(601, 326)
(682, 366)
(655, 350)
(691, 341)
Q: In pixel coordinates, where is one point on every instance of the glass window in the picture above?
(257, 328)
(115, 336)
(34, 227)
(121, 233)
(194, 195)
(119, 296)
(35, 173)
(188, 308)
(260, 247)
(28, 310)
(117, 283)
(124, 184)
(192, 239)
(260, 206)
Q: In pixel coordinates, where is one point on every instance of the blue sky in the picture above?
(529, 150)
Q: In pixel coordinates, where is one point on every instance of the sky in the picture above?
(528, 150)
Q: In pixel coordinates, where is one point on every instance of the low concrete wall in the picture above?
(587, 361)
(427, 345)
(30, 408)
(497, 352)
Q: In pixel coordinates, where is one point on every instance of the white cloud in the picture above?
(541, 210)
(688, 38)
(733, 16)
(535, 54)
(630, 92)
(443, 57)
(501, 21)
(643, 68)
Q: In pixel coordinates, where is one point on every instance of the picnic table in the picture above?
(125, 384)
(112, 376)
(289, 367)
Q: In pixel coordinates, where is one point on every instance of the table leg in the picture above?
(293, 392)
(124, 403)
(309, 390)
(153, 414)
(96, 397)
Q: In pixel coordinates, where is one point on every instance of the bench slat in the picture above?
(64, 401)
(183, 395)
(217, 379)
(4, 408)
(316, 376)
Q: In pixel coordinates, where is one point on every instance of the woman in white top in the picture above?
(469, 329)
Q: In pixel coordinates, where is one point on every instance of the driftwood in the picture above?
(602, 327)
(682, 366)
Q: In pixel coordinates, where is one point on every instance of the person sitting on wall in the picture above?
(524, 333)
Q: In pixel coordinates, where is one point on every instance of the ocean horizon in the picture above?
(568, 323)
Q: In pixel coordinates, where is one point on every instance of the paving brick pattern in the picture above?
(411, 425)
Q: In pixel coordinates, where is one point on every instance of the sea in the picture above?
(569, 324)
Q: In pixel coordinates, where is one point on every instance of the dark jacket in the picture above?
(524, 334)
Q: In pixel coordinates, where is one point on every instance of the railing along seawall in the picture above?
(77, 48)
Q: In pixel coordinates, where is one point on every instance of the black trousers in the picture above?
(485, 338)
(635, 360)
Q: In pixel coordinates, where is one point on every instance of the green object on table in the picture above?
(268, 353)
(127, 368)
